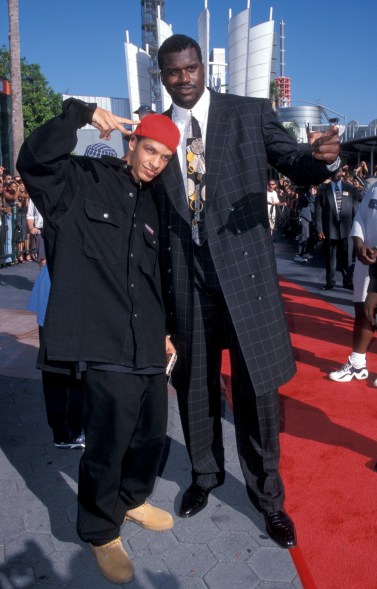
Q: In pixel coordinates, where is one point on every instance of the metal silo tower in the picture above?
(150, 10)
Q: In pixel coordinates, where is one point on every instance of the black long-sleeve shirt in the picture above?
(102, 242)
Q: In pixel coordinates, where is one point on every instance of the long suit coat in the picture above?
(243, 136)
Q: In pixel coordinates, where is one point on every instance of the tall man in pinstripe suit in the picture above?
(224, 293)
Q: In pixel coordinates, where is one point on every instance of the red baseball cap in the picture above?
(160, 128)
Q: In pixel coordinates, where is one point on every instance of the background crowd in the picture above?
(20, 224)
(291, 212)
(292, 209)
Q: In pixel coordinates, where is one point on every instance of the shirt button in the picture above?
(252, 275)
(135, 314)
(260, 298)
(130, 194)
(131, 255)
(106, 215)
(246, 254)
(132, 285)
(238, 231)
(135, 225)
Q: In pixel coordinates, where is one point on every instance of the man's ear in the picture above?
(132, 143)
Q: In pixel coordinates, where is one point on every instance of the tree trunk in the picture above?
(15, 68)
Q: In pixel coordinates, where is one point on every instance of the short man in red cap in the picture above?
(105, 312)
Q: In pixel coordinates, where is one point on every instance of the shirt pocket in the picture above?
(103, 232)
(149, 255)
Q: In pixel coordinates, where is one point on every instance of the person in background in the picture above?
(35, 225)
(370, 305)
(273, 204)
(10, 196)
(99, 150)
(4, 211)
(62, 389)
(362, 170)
(335, 208)
(21, 229)
(105, 312)
(364, 234)
(144, 110)
(305, 209)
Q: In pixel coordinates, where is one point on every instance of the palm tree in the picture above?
(275, 94)
(15, 68)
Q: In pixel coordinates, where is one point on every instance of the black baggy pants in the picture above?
(125, 420)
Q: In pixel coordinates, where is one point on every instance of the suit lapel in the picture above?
(174, 187)
(216, 141)
(173, 183)
(331, 198)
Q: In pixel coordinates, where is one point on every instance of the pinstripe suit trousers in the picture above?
(197, 381)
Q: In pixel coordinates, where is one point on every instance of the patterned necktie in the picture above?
(196, 170)
(338, 197)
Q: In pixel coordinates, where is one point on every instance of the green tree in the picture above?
(275, 94)
(39, 101)
(293, 129)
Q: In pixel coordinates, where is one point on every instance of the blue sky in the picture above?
(330, 44)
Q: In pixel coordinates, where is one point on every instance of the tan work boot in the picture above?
(150, 518)
(114, 562)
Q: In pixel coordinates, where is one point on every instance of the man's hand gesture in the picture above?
(106, 122)
(325, 144)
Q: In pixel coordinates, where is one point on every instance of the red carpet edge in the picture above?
(329, 449)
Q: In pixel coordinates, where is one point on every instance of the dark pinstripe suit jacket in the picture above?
(327, 215)
(243, 136)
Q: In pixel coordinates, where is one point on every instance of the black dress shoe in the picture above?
(194, 500)
(281, 528)
(327, 286)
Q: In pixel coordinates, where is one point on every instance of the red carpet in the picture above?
(329, 449)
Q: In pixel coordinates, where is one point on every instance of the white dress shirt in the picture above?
(181, 117)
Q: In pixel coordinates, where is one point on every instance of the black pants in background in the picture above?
(339, 252)
(63, 395)
(63, 400)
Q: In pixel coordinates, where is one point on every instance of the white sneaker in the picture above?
(301, 259)
(308, 256)
(348, 372)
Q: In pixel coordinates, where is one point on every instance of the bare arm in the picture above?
(365, 254)
(370, 306)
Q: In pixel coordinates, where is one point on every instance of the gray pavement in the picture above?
(224, 547)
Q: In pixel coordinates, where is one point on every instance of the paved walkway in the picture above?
(224, 547)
